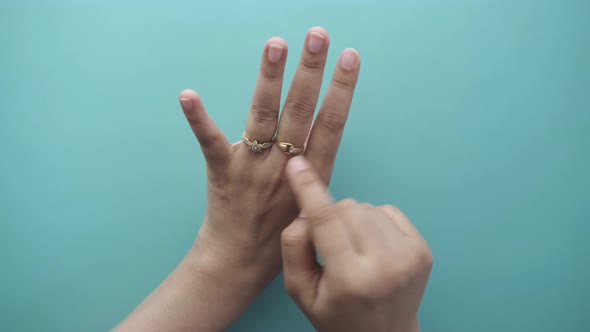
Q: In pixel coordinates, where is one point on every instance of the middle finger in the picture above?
(305, 89)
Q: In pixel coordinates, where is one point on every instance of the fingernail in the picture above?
(315, 42)
(348, 59)
(185, 102)
(275, 52)
(296, 164)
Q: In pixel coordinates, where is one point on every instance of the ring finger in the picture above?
(264, 111)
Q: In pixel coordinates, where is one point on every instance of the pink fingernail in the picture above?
(315, 42)
(348, 59)
(185, 102)
(275, 52)
(296, 164)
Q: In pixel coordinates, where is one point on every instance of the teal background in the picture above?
(472, 116)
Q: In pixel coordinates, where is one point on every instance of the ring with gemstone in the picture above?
(288, 148)
(254, 146)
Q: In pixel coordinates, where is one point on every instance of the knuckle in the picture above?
(311, 64)
(420, 257)
(389, 270)
(393, 283)
(299, 109)
(332, 120)
(412, 259)
(343, 83)
(366, 205)
(291, 239)
(264, 114)
(347, 203)
(425, 256)
(392, 209)
(322, 216)
(271, 75)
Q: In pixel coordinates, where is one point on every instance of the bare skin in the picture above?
(376, 263)
(236, 253)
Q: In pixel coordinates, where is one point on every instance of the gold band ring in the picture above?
(288, 148)
(254, 146)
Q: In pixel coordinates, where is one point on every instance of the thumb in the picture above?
(300, 268)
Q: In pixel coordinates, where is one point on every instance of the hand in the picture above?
(376, 264)
(249, 200)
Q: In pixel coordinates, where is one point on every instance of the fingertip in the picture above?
(350, 49)
(189, 99)
(296, 165)
(349, 59)
(321, 31)
(276, 41)
(276, 50)
(188, 94)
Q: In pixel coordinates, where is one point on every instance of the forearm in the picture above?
(201, 294)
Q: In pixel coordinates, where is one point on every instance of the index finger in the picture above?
(329, 235)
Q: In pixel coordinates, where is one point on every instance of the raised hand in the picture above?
(249, 200)
(375, 263)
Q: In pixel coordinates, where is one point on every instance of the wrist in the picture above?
(230, 263)
(207, 291)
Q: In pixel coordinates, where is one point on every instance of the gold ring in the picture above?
(254, 146)
(288, 148)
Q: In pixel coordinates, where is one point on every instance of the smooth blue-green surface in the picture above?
(472, 116)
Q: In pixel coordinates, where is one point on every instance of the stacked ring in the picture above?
(254, 146)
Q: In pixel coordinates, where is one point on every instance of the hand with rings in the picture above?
(237, 251)
(249, 200)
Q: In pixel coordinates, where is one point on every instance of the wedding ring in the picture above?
(288, 148)
(254, 146)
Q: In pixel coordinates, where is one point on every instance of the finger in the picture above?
(213, 143)
(402, 222)
(264, 112)
(328, 232)
(328, 127)
(305, 89)
(300, 268)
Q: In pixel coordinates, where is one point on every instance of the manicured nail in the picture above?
(275, 52)
(296, 164)
(348, 59)
(185, 102)
(315, 42)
